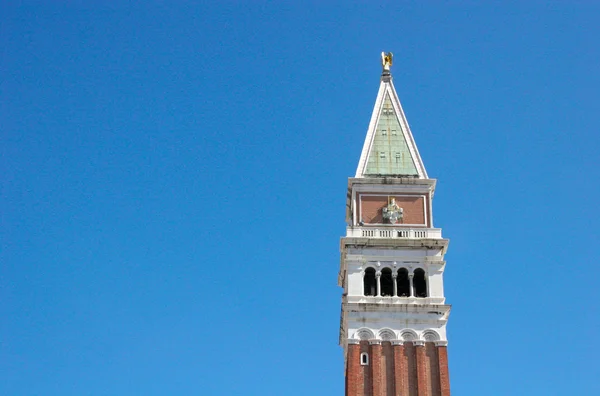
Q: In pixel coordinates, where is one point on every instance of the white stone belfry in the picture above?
(392, 257)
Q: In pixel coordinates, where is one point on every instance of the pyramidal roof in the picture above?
(389, 148)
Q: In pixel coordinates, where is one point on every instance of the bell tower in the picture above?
(394, 313)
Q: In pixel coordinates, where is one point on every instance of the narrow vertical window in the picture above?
(387, 282)
(364, 359)
(370, 282)
(420, 283)
(403, 283)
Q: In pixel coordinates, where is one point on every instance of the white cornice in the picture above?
(397, 243)
(399, 181)
(434, 311)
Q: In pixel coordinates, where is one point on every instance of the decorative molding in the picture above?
(431, 335)
(364, 309)
(441, 343)
(383, 265)
(353, 341)
(387, 334)
(374, 342)
(397, 342)
(391, 186)
(409, 335)
(364, 334)
(364, 257)
(359, 243)
(419, 343)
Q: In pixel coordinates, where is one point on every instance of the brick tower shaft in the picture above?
(397, 368)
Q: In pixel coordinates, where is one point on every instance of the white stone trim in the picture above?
(375, 341)
(394, 265)
(364, 334)
(398, 185)
(409, 335)
(395, 300)
(430, 335)
(441, 343)
(386, 334)
(368, 256)
(393, 231)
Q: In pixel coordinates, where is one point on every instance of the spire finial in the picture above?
(387, 59)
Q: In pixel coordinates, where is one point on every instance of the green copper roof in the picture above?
(389, 154)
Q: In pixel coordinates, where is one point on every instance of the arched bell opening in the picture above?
(370, 282)
(420, 284)
(387, 283)
(403, 283)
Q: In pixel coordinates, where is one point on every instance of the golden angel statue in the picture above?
(386, 60)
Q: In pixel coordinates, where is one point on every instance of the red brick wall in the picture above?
(411, 369)
(422, 374)
(354, 380)
(401, 385)
(388, 364)
(433, 368)
(367, 388)
(444, 377)
(371, 206)
(397, 370)
(377, 372)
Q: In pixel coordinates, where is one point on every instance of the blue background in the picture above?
(174, 178)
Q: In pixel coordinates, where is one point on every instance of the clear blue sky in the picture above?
(174, 180)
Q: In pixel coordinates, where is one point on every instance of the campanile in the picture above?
(394, 313)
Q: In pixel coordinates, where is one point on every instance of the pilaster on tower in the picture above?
(394, 311)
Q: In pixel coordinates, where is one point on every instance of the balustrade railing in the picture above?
(409, 233)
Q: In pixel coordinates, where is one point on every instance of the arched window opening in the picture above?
(364, 359)
(403, 283)
(387, 282)
(370, 282)
(420, 283)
